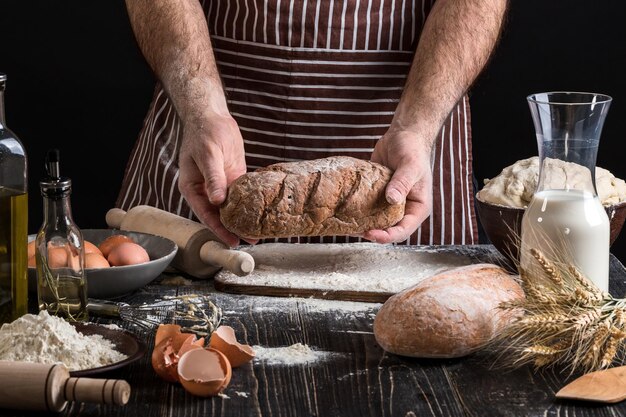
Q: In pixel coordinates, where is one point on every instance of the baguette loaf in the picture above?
(332, 196)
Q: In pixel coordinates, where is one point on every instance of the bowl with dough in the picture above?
(502, 202)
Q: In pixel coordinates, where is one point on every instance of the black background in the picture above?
(78, 82)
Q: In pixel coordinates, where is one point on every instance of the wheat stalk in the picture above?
(567, 321)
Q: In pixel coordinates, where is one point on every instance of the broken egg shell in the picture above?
(224, 340)
(170, 345)
(187, 346)
(204, 372)
(165, 331)
(112, 241)
(184, 339)
(164, 361)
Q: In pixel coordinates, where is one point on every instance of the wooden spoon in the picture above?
(606, 386)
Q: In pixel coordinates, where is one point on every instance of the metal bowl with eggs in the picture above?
(118, 277)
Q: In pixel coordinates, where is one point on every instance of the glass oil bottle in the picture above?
(60, 249)
(13, 221)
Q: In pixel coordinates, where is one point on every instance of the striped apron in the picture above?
(308, 79)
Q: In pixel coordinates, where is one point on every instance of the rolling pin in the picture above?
(200, 253)
(38, 386)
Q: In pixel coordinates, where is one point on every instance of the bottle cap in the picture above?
(54, 185)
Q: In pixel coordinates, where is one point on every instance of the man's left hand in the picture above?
(405, 153)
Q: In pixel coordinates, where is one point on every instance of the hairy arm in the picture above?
(456, 42)
(174, 38)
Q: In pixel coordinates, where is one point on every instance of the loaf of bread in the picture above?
(331, 196)
(448, 315)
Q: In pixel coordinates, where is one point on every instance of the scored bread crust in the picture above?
(338, 195)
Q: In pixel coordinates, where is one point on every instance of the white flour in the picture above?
(313, 306)
(48, 339)
(363, 267)
(296, 354)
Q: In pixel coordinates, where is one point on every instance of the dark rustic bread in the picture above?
(448, 315)
(331, 196)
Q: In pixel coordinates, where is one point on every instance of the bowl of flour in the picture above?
(84, 348)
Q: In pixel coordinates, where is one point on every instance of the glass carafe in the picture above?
(565, 220)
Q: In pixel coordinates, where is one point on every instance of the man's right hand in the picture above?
(211, 157)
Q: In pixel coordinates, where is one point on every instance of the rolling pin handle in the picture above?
(98, 391)
(217, 254)
(114, 217)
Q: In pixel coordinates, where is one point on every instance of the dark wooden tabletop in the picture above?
(354, 378)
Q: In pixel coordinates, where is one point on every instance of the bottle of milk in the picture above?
(565, 219)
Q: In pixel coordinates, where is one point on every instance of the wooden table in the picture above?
(356, 377)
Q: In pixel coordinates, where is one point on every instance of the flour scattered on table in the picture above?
(364, 267)
(175, 281)
(314, 305)
(241, 394)
(111, 326)
(48, 339)
(295, 354)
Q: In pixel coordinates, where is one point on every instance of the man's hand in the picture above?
(405, 153)
(211, 157)
(454, 45)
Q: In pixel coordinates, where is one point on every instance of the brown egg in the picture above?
(57, 257)
(111, 242)
(95, 260)
(127, 254)
(73, 261)
(204, 372)
(31, 249)
(224, 340)
(91, 248)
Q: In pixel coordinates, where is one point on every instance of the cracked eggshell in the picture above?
(204, 372)
(224, 340)
(170, 345)
(165, 331)
(164, 360)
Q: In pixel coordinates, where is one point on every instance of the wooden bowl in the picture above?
(503, 225)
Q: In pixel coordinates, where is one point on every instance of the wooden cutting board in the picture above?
(366, 272)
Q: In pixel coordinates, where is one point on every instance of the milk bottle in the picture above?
(565, 220)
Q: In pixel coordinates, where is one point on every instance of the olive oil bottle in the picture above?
(13, 221)
(61, 285)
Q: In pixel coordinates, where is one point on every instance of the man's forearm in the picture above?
(174, 38)
(455, 44)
